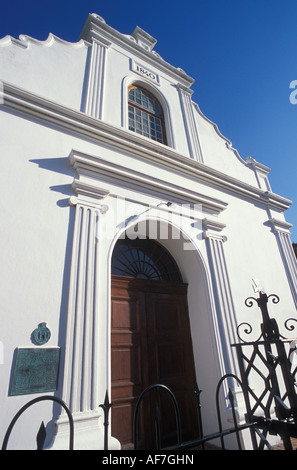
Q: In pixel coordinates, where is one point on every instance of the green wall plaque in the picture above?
(41, 335)
(35, 371)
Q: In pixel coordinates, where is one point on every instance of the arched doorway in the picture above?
(150, 341)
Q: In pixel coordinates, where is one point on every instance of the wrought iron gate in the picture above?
(270, 362)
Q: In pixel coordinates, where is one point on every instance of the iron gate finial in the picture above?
(269, 326)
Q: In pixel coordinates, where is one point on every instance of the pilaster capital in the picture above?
(212, 229)
(184, 90)
(189, 122)
(280, 226)
(88, 195)
(92, 30)
(100, 41)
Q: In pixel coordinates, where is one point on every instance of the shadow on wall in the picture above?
(61, 165)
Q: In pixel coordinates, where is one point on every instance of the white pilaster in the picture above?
(82, 390)
(225, 318)
(261, 173)
(96, 74)
(80, 359)
(283, 236)
(189, 122)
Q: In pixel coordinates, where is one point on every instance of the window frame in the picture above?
(146, 259)
(153, 119)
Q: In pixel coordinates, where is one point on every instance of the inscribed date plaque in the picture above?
(35, 371)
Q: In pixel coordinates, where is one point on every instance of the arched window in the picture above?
(144, 259)
(145, 114)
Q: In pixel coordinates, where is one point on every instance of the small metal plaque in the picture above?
(35, 371)
(41, 335)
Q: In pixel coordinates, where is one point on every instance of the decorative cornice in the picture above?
(95, 25)
(25, 41)
(31, 105)
(261, 172)
(144, 39)
(97, 168)
(88, 195)
(280, 226)
(217, 130)
(213, 225)
(84, 189)
(257, 166)
(213, 229)
(187, 91)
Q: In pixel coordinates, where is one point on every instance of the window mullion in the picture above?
(145, 116)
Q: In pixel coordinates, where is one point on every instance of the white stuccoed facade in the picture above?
(75, 178)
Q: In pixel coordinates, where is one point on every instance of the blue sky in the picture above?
(242, 55)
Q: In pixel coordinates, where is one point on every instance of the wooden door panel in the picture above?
(174, 360)
(125, 314)
(127, 370)
(123, 413)
(128, 379)
(126, 353)
(169, 363)
(151, 343)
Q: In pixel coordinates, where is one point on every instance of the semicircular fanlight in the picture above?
(144, 259)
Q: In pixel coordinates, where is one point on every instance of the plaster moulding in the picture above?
(213, 225)
(144, 39)
(66, 119)
(280, 226)
(25, 41)
(213, 229)
(258, 166)
(88, 195)
(140, 44)
(99, 169)
(261, 172)
(250, 162)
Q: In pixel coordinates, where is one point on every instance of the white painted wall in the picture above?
(52, 68)
(37, 222)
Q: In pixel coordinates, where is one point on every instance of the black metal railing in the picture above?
(272, 410)
(201, 440)
(106, 406)
(41, 435)
(157, 416)
(270, 362)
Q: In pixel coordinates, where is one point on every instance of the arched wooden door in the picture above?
(150, 342)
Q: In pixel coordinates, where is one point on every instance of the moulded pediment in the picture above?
(140, 44)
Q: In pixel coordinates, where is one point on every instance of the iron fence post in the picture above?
(106, 408)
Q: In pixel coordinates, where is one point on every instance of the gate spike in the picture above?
(106, 400)
(41, 435)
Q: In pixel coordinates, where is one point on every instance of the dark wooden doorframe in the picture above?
(150, 343)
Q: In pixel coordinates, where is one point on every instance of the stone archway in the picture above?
(150, 340)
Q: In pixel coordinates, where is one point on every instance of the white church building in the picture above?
(131, 233)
